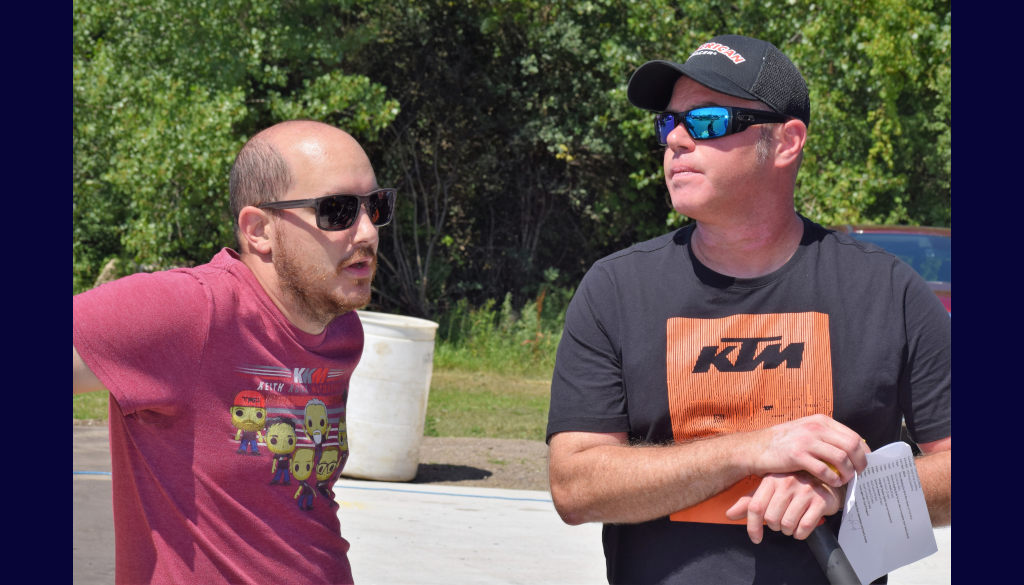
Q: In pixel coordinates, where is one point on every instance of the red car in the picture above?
(926, 249)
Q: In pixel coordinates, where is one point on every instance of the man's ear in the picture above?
(255, 230)
(790, 143)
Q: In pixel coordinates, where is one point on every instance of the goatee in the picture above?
(311, 287)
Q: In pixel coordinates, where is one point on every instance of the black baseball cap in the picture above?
(731, 64)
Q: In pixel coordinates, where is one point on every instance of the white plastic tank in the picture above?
(387, 398)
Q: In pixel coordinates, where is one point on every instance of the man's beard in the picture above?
(309, 286)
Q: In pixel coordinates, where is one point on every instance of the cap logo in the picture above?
(712, 48)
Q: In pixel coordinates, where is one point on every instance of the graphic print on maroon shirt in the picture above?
(297, 417)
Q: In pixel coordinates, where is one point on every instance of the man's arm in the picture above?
(83, 380)
(599, 477)
(934, 467)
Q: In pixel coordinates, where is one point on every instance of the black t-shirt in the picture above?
(660, 347)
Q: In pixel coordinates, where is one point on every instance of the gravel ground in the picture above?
(499, 463)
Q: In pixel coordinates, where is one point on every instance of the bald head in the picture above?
(269, 164)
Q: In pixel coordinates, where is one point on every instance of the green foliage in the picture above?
(502, 339)
(880, 145)
(503, 123)
(167, 91)
(516, 149)
(508, 150)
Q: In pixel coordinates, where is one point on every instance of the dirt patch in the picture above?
(497, 463)
(88, 422)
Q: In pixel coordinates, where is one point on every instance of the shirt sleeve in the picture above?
(926, 395)
(587, 392)
(143, 336)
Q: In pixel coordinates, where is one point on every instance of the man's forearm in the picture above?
(621, 484)
(599, 478)
(935, 472)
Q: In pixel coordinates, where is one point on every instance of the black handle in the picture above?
(832, 559)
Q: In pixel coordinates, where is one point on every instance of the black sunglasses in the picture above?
(339, 212)
(712, 121)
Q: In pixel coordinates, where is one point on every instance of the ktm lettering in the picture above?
(308, 375)
(748, 358)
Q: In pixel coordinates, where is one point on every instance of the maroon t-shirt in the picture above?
(209, 381)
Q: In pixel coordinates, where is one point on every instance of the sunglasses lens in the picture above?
(663, 125)
(701, 123)
(337, 212)
(380, 206)
(704, 123)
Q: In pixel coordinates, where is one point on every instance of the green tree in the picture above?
(503, 123)
(166, 92)
(880, 148)
(509, 147)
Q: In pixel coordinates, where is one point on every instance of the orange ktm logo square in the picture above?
(743, 373)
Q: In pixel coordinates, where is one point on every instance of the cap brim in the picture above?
(651, 85)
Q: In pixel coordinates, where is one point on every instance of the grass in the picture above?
(484, 404)
(89, 406)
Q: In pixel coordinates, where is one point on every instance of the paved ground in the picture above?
(445, 534)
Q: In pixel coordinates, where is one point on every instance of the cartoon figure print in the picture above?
(302, 468)
(248, 415)
(281, 442)
(316, 423)
(329, 460)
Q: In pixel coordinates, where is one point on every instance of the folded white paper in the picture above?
(885, 518)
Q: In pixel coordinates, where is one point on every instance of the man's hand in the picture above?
(791, 503)
(817, 444)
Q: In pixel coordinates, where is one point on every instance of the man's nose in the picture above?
(679, 138)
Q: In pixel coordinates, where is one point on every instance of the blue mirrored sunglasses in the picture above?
(339, 212)
(712, 121)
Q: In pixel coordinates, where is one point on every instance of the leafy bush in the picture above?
(502, 339)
